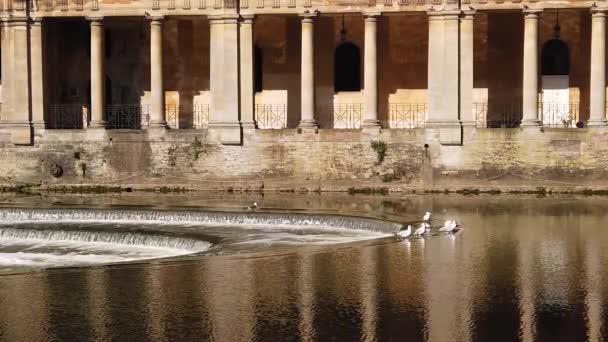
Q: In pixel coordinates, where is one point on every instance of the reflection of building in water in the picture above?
(231, 298)
(24, 302)
(153, 63)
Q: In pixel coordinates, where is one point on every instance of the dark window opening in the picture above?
(258, 69)
(347, 68)
(555, 58)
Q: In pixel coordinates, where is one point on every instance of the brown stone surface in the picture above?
(329, 160)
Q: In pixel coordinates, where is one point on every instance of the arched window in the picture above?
(347, 68)
(555, 58)
(258, 69)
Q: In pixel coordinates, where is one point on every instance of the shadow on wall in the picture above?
(402, 69)
(277, 98)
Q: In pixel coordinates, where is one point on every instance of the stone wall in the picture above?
(325, 160)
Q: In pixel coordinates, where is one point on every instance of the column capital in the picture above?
(308, 16)
(598, 11)
(95, 20)
(371, 15)
(15, 21)
(247, 18)
(531, 13)
(223, 19)
(156, 18)
(469, 14)
(37, 20)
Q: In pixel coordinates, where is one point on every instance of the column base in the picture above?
(450, 132)
(371, 124)
(21, 133)
(530, 123)
(228, 133)
(308, 124)
(597, 123)
(158, 125)
(441, 123)
(101, 124)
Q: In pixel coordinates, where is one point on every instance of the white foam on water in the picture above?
(70, 253)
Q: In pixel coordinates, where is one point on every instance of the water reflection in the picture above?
(520, 271)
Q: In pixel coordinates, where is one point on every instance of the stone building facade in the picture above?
(296, 76)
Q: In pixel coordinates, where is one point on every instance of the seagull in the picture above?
(446, 226)
(449, 227)
(421, 230)
(426, 217)
(404, 233)
(253, 206)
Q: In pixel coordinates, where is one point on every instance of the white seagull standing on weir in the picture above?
(446, 226)
(405, 232)
(253, 206)
(421, 230)
(449, 226)
(426, 217)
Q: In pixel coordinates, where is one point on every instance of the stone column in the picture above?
(370, 92)
(157, 91)
(17, 119)
(37, 73)
(307, 77)
(450, 75)
(98, 79)
(530, 77)
(247, 85)
(597, 96)
(435, 68)
(224, 79)
(7, 59)
(467, 117)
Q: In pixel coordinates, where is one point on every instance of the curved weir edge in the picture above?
(19, 215)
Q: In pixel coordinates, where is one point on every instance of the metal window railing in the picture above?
(271, 116)
(127, 116)
(347, 115)
(200, 116)
(407, 115)
(556, 114)
(67, 116)
(497, 115)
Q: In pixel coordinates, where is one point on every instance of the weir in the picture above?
(115, 238)
(8, 215)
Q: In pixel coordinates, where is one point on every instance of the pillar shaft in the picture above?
(7, 86)
(466, 69)
(530, 77)
(37, 74)
(450, 75)
(598, 69)
(97, 74)
(157, 112)
(371, 73)
(247, 85)
(435, 68)
(224, 79)
(307, 77)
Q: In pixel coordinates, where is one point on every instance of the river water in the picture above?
(521, 269)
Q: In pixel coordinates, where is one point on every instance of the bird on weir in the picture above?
(421, 230)
(404, 233)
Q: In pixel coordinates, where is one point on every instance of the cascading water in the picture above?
(197, 217)
(66, 237)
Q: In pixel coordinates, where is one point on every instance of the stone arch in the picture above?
(347, 68)
(555, 58)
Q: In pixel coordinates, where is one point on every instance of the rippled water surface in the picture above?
(523, 268)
